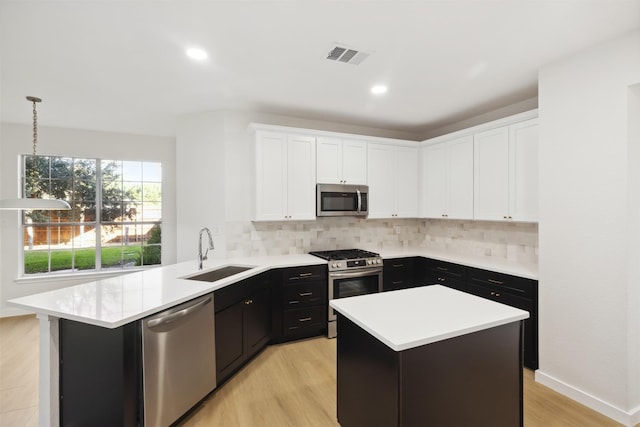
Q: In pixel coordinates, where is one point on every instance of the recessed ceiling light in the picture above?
(379, 89)
(197, 54)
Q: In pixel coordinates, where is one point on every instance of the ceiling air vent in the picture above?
(341, 53)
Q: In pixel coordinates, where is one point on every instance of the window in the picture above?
(115, 221)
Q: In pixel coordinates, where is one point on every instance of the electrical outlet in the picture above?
(397, 229)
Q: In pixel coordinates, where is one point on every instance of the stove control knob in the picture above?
(371, 261)
(334, 265)
(339, 265)
(379, 261)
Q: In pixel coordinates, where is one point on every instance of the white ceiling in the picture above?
(120, 65)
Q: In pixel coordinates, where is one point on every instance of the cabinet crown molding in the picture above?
(253, 127)
(509, 120)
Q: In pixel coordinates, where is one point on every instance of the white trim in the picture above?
(253, 127)
(49, 381)
(520, 117)
(628, 419)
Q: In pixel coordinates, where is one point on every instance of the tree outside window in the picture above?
(115, 220)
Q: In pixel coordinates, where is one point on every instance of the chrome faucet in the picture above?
(200, 256)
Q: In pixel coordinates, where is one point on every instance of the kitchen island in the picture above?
(428, 356)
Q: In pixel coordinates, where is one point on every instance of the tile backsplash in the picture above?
(505, 240)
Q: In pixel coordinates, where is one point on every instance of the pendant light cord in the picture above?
(35, 129)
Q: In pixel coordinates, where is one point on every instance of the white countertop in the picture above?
(514, 268)
(434, 313)
(116, 301)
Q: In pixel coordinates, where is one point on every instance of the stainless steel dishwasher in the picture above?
(179, 361)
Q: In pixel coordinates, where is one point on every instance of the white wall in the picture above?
(15, 140)
(588, 229)
(200, 182)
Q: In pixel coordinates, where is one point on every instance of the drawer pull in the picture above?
(304, 319)
(398, 265)
(305, 294)
(495, 294)
(497, 282)
(305, 274)
(294, 302)
(397, 283)
(249, 301)
(440, 279)
(442, 269)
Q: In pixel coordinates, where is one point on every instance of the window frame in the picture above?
(98, 224)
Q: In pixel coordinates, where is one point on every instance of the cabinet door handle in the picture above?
(440, 279)
(442, 269)
(305, 274)
(304, 319)
(294, 302)
(249, 301)
(398, 265)
(305, 294)
(495, 294)
(397, 283)
(497, 282)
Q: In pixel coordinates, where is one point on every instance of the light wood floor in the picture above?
(286, 385)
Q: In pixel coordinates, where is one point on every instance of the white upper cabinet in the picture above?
(301, 177)
(341, 161)
(285, 177)
(523, 171)
(491, 174)
(392, 175)
(506, 173)
(447, 179)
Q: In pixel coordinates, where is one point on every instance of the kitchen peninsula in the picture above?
(428, 356)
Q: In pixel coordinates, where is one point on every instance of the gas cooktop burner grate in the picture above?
(344, 254)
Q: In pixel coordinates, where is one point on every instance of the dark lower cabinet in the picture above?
(242, 323)
(444, 273)
(300, 302)
(399, 273)
(100, 375)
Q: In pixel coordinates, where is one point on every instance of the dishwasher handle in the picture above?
(178, 314)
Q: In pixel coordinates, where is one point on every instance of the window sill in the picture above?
(85, 277)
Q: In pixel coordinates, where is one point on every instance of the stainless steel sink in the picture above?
(219, 273)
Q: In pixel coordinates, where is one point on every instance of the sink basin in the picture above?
(219, 273)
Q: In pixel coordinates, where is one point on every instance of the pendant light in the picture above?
(34, 203)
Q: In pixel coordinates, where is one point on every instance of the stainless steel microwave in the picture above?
(342, 200)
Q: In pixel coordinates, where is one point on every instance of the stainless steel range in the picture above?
(351, 272)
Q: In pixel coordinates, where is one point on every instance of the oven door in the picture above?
(344, 284)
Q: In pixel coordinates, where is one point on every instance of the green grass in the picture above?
(85, 259)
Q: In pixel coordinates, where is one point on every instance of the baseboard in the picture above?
(629, 419)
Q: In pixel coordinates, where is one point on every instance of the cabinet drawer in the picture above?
(441, 279)
(499, 282)
(300, 320)
(501, 296)
(307, 273)
(304, 294)
(445, 269)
